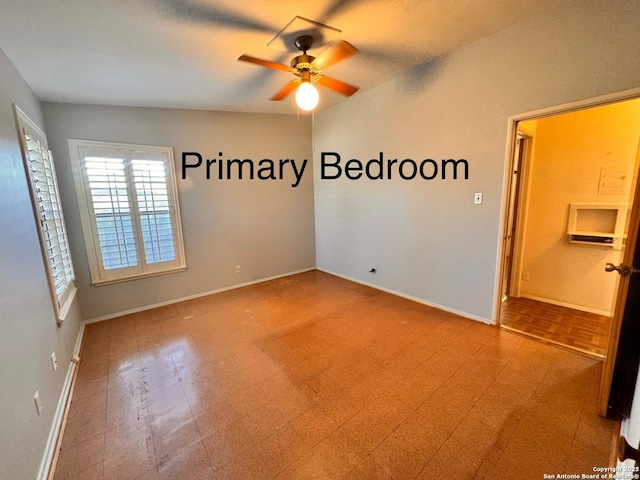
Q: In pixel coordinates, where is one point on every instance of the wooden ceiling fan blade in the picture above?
(285, 91)
(264, 63)
(334, 54)
(337, 85)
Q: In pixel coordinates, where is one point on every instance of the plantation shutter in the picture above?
(48, 210)
(107, 184)
(149, 179)
(131, 221)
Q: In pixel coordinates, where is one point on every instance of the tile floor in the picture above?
(312, 376)
(583, 331)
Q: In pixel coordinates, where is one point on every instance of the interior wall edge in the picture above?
(192, 297)
(410, 297)
(512, 129)
(30, 332)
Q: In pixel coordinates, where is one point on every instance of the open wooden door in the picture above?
(620, 368)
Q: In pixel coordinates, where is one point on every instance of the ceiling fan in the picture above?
(307, 70)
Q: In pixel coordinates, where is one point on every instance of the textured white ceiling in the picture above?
(183, 53)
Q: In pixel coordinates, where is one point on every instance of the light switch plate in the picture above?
(477, 199)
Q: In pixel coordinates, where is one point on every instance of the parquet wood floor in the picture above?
(587, 332)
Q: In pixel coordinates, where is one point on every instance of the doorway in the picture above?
(553, 285)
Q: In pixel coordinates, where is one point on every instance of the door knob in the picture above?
(623, 270)
(610, 267)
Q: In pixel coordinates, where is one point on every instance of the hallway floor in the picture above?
(312, 376)
(584, 331)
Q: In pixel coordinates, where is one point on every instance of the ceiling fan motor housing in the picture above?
(303, 43)
(303, 67)
(301, 61)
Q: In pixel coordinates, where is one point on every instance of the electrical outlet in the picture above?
(54, 361)
(477, 199)
(38, 402)
(526, 276)
(238, 268)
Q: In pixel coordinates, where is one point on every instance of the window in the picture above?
(129, 209)
(45, 197)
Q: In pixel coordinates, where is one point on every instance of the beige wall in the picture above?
(427, 239)
(569, 151)
(28, 329)
(264, 226)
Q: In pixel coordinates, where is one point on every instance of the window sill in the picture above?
(64, 310)
(101, 283)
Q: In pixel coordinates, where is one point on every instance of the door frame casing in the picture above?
(521, 209)
(512, 130)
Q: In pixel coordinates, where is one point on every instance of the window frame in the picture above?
(61, 302)
(88, 218)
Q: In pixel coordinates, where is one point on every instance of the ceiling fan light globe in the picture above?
(307, 96)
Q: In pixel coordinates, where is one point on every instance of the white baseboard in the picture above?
(52, 440)
(410, 297)
(568, 305)
(552, 342)
(197, 295)
(56, 425)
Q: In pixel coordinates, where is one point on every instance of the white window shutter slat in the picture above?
(129, 209)
(48, 210)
